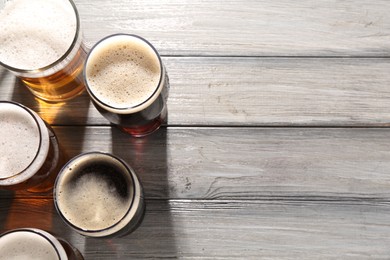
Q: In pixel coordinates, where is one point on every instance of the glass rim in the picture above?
(60, 59)
(129, 171)
(40, 138)
(39, 232)
(124, 109)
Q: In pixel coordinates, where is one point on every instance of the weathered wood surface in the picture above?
(232, 163)
(248, 163)
(246, 28)
(251, 91)
(228, 229)
(257, 160)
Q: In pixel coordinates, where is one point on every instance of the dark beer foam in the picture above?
(123, 71)
(94, 196)
(35, 34)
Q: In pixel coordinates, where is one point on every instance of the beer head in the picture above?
(36, 34)
(24, 143)
(123, 73)
(30, 244)
(95, 193)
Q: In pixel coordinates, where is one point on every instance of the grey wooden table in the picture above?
(277, 142)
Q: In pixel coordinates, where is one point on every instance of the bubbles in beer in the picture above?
(123, 72)
(19, 139)
(93, 197)
(26, 245)
(34, 34)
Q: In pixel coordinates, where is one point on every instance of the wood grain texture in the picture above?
(250, 91)
(250, 28)
(229, 229)
(236, 163)
(257, 160)
(349, 164)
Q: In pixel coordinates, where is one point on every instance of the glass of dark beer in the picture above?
(41, 43)
(33, 243)
(30, 154)
(128, 83)
(99, 195)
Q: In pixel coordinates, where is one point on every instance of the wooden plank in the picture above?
(279, 91)
(250, 91)
(229, 230)
(248, 163)
(250, 28)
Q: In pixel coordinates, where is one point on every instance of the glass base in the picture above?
(143, 130)
(146, 129)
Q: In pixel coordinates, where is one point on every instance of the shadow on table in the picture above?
(3, 74)
(154, 238)
(26, 209)
(69, 114)
(6, 198)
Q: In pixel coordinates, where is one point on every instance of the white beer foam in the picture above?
(26, 245)
(35, 34)
(19, 139)
(123, 71)
(90, 202)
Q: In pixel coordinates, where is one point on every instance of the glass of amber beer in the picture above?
(41, 43)
(99, 195)
(30, 156)
(128, 83)
(33, 243)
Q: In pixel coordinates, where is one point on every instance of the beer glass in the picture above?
(30, 156)
(128, 83)
(99, 195)
(33, 243)
(41, 43)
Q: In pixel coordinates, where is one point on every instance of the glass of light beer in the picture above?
(128, 83)
(30, 156)
(33, 243)
(99, 195)
(41, 43)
